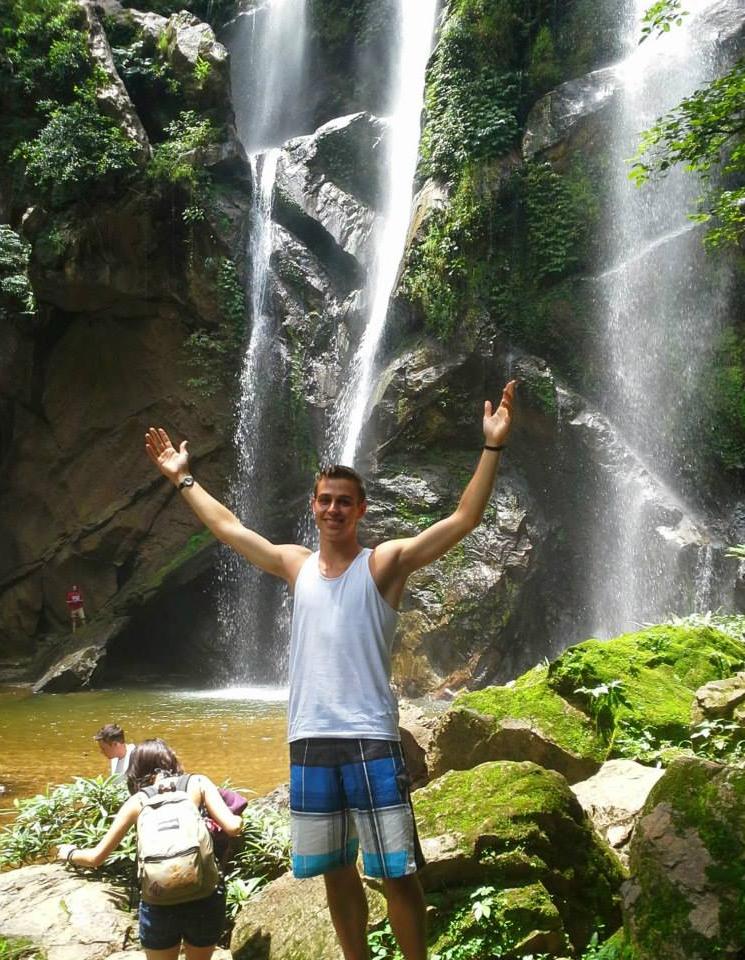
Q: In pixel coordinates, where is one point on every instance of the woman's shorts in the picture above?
(346, 794)
(199, 922)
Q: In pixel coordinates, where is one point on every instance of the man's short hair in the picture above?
(111, 733)
(337, 471)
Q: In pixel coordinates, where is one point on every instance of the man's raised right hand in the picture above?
(172, 463)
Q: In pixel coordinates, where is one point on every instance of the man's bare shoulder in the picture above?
(294, 556)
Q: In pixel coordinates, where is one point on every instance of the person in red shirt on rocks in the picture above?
(75, 606)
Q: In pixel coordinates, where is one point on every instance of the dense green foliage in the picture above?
(176, 161)
(488, 260)
(43, 56)
(78, 813)
(16, 295)
(51, 122)
(493, 57)
(209, 354)
(77, 148)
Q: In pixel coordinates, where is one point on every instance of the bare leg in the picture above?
(198, 953)
(170, 954)
(348, 908)
(407, 914)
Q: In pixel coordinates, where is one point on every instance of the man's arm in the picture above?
(395, 560)
(282, 560)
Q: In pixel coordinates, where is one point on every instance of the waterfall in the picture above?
(417, 21)
(659, 312)
(268, 64)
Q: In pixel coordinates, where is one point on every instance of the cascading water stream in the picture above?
(659, 313)
(268, 63)
(417, 20)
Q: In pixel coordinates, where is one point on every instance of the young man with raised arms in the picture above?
(348, 782)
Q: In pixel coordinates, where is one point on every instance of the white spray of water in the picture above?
(270, 97)
(417, 18)
(659, 318)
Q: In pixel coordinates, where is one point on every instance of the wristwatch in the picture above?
(188, 481)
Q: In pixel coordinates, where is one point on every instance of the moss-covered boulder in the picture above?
(525, 720)
(645, 681)
(685, 899)
(515, 826)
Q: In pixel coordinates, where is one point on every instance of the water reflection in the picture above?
(236, 733)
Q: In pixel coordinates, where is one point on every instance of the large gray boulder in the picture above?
(198, 59)
(321, 177)
(67, 916)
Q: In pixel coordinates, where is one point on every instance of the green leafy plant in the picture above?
(382, 944)
(661, 17)
(603, 702)
(16, 294)
(705, 133)
(77, 147)
(176, 161)
(211, 355)
(79, 813)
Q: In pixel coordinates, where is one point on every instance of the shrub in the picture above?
(16, 294)
(76, 149)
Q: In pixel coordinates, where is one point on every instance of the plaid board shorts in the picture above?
(347, 793)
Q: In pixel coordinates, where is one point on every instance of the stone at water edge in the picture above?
(684, 899)
(613, 799)
(67, 915)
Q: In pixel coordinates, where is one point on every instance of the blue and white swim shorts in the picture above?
(346, 794)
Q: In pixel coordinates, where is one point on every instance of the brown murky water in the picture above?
(237, 734)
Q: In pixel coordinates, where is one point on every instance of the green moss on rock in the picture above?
(532, 698)
(659, 670)
(515, 920)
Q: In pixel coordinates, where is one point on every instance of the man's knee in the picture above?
(403, 887)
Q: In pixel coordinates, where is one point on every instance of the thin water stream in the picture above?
(237, 733)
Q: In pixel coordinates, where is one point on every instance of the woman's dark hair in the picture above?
(148, 759)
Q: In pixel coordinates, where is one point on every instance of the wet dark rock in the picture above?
(561, 114)
(320, 175)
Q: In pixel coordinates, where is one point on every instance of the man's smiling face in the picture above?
(337, 507)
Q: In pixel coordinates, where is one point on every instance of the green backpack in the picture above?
(175, 859)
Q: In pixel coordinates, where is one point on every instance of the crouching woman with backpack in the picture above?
(181, 896)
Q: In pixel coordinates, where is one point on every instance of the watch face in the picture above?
(187, 482)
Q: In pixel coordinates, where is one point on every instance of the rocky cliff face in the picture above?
(123, 284)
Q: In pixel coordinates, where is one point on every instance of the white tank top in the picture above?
(340, 655)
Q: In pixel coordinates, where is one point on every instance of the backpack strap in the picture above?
(183, 782)
(151, 791)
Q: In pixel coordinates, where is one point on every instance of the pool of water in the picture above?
(236, 733)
